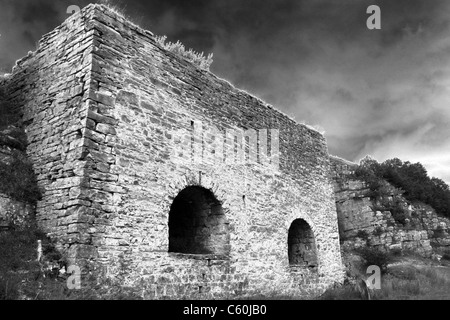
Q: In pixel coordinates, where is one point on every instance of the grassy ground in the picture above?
(407, 278)
(23, 277)
(413, 280)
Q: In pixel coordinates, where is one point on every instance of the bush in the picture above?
(375, 257)
(398, 212)
(9, 114)
(13, 137)
(396, 207)
(18, 263)
(373, 182)
(23, 277)
(411, 178)
(17, 179)
(378, 231)
(446, 256)
(363, 234)
(439, 233)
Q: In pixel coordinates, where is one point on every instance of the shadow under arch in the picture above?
(302, 251)
(197, 223)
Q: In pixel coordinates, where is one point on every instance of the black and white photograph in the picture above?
(221, 155)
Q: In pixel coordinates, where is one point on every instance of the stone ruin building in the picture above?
(117, 131)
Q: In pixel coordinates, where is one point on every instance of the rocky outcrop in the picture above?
(365, 221)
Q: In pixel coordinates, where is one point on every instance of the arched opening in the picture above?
(301, 245)
(197, 223)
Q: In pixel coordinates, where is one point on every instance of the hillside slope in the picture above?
(387, 221)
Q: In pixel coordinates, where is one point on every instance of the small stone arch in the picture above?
(302, 250)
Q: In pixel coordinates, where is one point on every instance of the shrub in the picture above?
(375, 257)
(23, 277)
(178, 48)
(17, 179)
(398, 212)
(18, 263)
(439, 233)
(378, 231)
(363, 234)
(396, 208)
(373, 182)
(8, 111)
(411, 178)
(13, 137)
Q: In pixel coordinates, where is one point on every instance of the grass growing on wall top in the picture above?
(199, 59)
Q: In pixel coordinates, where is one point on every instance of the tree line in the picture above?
(412, 178)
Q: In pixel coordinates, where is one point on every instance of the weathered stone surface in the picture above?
(423, 232)
(109, 115)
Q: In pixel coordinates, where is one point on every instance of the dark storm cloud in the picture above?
(380, 92)
(22, 24)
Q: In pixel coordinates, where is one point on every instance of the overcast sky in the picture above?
(380, 92)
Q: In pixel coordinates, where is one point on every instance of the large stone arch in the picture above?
(197, 223)
(207, 195)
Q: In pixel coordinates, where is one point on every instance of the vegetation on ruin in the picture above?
(375, 257)
(411, 178)
(17, 179)
(199, 59)
(363, 234)
(20, 272)
(23, 277)
(395, 205)
(8, 114)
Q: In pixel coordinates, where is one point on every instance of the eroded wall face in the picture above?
(146, 102)
(49, 89)
(363, 221)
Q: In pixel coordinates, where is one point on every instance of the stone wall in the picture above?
(49, 88)
(107, 111)
(362, 222)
